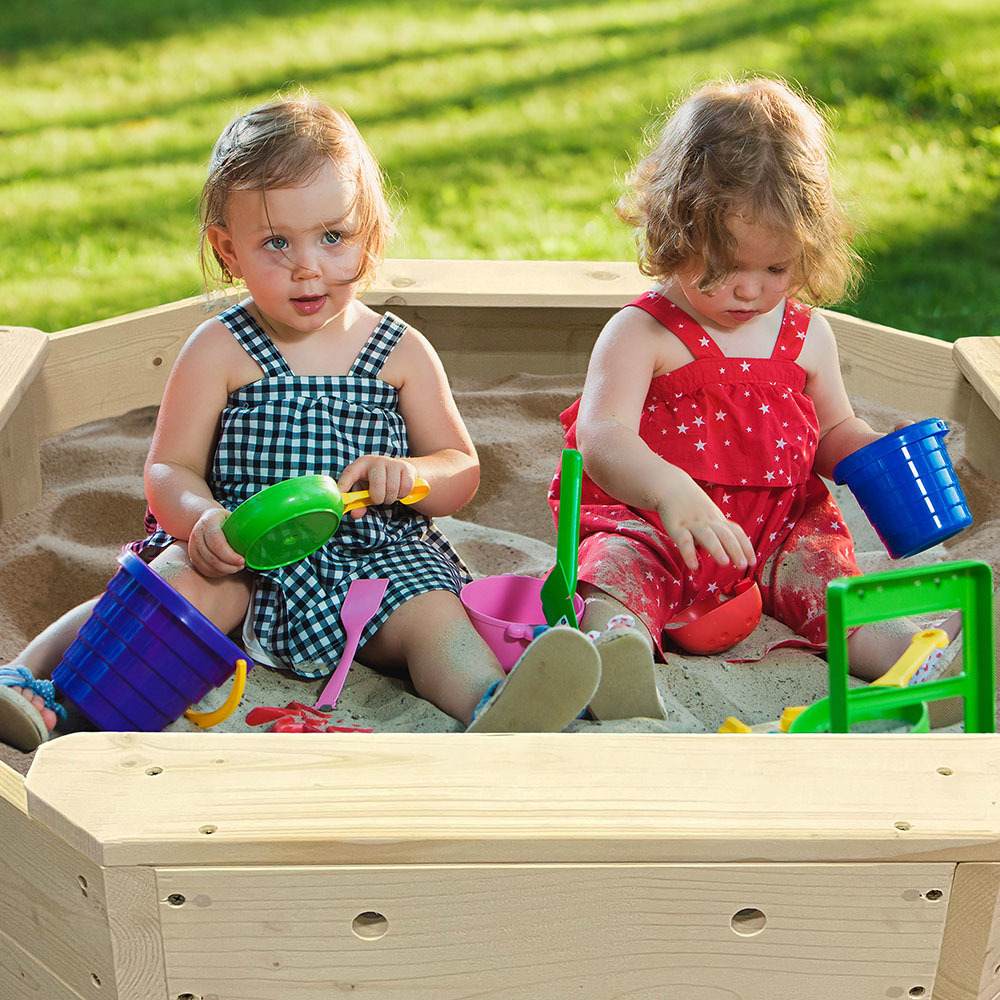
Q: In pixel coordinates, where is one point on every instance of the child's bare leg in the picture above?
(43, 654)
(223, 600)
(873, 649)
(451, 666)
(628, 681)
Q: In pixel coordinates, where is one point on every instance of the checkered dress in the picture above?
(288, 425)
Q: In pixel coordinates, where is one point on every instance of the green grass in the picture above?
(505, 127)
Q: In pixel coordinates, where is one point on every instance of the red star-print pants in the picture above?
(798, 533)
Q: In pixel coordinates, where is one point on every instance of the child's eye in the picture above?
(778, 268)
(332, 239)
(276, 243)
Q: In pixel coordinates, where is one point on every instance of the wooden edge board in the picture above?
(12, 787)
(978, 359)
(22, 355)
(442, 798)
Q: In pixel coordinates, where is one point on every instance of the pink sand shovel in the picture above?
(362, 601)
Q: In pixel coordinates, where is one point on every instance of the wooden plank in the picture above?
(982, 438)
(921, 374)
(508, 283)
(989, 982)
(22, 355)
(12, 787)
(136, 935)
(107, 368)
(200, 798)
(978, 359)
(52, 907)
(966, 961)
(497, 341)
(757, 932)
(20, 463)
(24, 977)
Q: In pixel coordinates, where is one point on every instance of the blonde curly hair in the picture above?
(752, 148)
(285, 143)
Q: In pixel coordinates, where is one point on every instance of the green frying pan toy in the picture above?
(292, 519)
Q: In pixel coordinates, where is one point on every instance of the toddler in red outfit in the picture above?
(714, 402)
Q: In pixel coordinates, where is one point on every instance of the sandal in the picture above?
(548, 687)
(21, 724)
(628, 679)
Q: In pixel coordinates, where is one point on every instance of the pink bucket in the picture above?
(505, 611)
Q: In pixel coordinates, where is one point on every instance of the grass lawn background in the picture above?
(506, 128)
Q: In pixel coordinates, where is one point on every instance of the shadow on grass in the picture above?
(904, 68)
(649, 43)
(54, 24)
(930, 282)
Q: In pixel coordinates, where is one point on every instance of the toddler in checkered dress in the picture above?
(302, 378)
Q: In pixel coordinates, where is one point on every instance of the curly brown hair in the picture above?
(753, 148)
(285, 143)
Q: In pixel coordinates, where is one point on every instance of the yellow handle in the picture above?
(921, 646)
(205, 720)
(360, 498)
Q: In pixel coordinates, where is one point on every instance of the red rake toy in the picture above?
(297, 718)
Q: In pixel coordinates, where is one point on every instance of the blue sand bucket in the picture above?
(905, 484)
(144, 655)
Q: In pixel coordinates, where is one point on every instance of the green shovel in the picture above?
(559, 587)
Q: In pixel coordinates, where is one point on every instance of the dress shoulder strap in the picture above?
(792, 334)
(379, 346)
(688, 331)
(251, 337)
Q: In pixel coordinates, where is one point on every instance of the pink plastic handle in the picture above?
(516, 630)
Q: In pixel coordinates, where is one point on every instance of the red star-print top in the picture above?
(728, 421)
(745, 430)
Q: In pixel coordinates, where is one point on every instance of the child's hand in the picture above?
(210, 552)
(386, 479)
(691, 519)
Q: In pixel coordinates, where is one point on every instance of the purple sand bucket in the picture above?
(144, 655)
(905, 484)
(505, 611)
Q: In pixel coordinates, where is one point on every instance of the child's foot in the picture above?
(28, 709)
(628, 680)
(548, 687)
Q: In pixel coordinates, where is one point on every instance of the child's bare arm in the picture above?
(628, 354)
(441, 449)
(180, 454)
(840, 431)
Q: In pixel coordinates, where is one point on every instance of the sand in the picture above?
(63, 551)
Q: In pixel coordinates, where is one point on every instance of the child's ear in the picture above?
(222, 244)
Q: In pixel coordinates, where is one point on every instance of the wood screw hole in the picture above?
(934, 894)
(176, 899)
(208, 829)
(154, 770)
(945, 771)
(370, 925)
(748, 921)
(902, 825)
(95, 979)
(917, 991)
